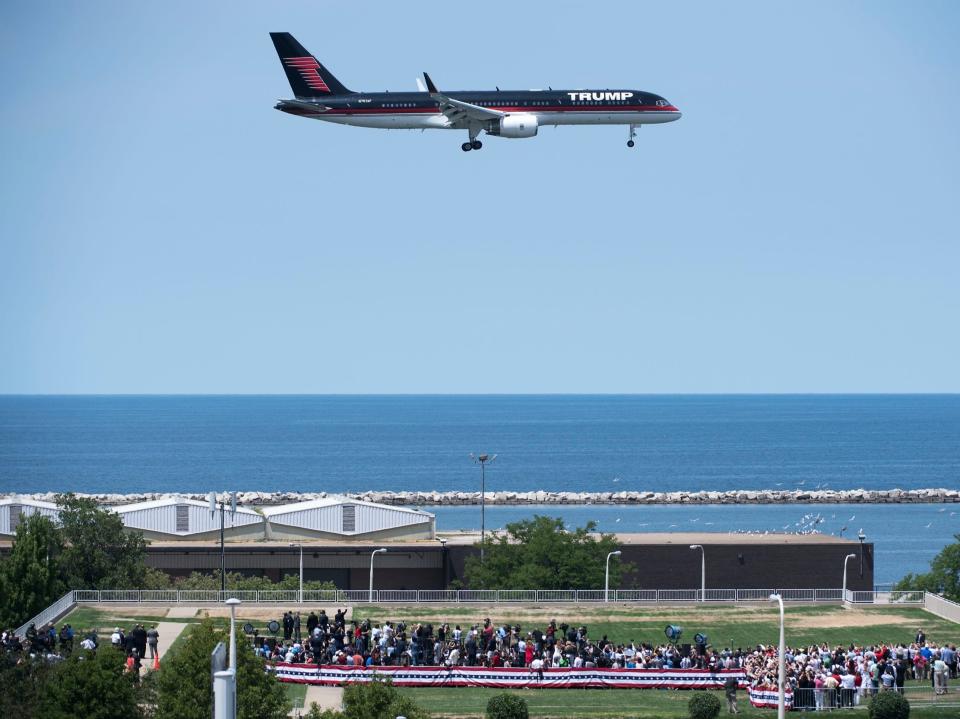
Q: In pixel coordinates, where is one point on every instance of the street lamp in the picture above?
(373, 554)
(300, 547)
(781, 707)
(861, 536)
(482, 460)
(845, 560)
(232, 603)
(703, 571)
(606, 580)
(213, 510)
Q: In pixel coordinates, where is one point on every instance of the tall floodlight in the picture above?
(483, 460)
(225, 681)
(606, 578)
(373, 554)
(782, 662)
(703, 571)
(213, 510)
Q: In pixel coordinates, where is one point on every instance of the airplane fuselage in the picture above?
(419, 110)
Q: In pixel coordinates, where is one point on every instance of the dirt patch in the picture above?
(847, 618)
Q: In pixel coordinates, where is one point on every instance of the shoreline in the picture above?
(264, 499)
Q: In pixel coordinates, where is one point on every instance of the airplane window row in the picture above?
(603, 102)
(398, 104)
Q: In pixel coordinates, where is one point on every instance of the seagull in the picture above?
(852, 517)
(674, 525)
(695, 519)
(801, 482)
(618, 519)
(944, 510)
(616, 479)
(928, 525)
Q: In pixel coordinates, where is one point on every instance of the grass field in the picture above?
(600, 703)
(735, 626)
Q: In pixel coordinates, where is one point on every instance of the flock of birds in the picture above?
(808, 524)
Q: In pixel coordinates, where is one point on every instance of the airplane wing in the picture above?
(459, 111)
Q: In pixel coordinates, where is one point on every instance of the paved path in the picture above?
(169, 631)
(325, 697)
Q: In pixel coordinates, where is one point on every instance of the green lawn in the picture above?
(639, 703)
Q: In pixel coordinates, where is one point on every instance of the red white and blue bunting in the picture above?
(766, 697)
(512, 677)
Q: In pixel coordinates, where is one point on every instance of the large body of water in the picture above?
(574, 443)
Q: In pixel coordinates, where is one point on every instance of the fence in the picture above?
(932, 602)
(490, 596)
(919, 695)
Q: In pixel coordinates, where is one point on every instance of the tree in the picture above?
(378, 699)
(30, 578)
(507, 706)
(21, 685)
(184, 689)
(539, 553)
(93, 685)
(943, 577)
(100, 553)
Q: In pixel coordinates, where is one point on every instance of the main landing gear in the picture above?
(473, 143)
(632, 134)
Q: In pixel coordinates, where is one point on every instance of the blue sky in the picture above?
(163, 229)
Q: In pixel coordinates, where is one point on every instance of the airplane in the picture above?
(499, 113)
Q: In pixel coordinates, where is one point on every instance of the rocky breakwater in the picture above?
(748, 496)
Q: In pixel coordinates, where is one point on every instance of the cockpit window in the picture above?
(662, 103)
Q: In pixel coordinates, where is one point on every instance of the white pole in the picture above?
(374, 553)
(845, 560)
(781, 702)
(232, 603)
(300, 597)
(703, 571)
(606, 580)
(224, 706)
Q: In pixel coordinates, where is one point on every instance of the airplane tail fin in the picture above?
(308, 78)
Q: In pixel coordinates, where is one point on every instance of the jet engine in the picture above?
(520, 125)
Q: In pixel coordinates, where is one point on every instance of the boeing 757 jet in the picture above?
(500, 113)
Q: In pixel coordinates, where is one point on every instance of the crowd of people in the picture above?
(822, 677)
(52, 645)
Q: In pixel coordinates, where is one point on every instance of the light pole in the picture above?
(300, 594)
(482, 460)
(861, 536)
(373, 554)
(213, 510)
(703, 571)
(781, 706)
(232, 603)
(845, 560)
(606, 580)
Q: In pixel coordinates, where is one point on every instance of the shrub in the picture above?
(703, 706)
(888, 705)
(507, 706)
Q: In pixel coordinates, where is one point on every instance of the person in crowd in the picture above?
(153, 640)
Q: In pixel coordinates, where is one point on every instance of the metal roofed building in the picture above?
(13, 510)
(174, 518)
(339, 518)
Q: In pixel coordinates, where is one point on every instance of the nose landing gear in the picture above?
(632, 134)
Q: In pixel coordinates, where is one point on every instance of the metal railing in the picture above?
(60, 607)
(492, 596)
(931, 602)
(919, 695)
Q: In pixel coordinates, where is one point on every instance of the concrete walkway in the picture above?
(325, 697)
(169, 631)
